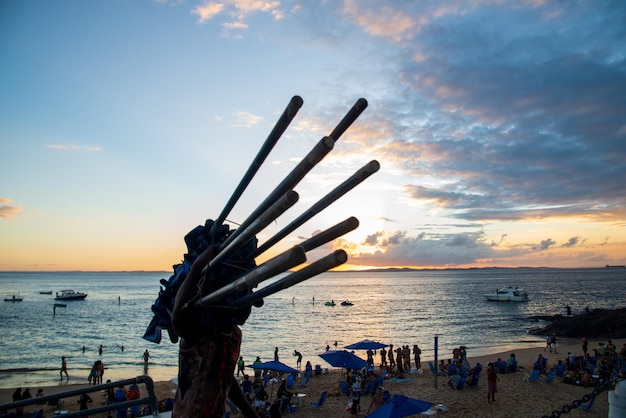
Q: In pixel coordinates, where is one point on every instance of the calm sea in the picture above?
(398, 308)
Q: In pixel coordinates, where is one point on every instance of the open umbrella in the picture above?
(400, 406)
(274, 365)
(366, 345)
(344, 359)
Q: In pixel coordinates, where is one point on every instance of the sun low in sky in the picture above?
(499, 126)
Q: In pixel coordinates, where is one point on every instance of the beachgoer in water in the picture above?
(276, 354)
(64, 369)
(100, 350)
(207, 356)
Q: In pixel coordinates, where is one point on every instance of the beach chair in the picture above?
(369, 388)
(343, 387)
(452, 370)
(534, 377)
(435, 371)
(321, 400)
(460, 384)
(474, 381)
(290, 381)
(501, 368)
(550, 377)
(560, 371)
(307, 377)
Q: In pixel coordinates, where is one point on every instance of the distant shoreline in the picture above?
(372, 270)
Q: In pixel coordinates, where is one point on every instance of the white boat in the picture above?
(70, 295)
(508, 294)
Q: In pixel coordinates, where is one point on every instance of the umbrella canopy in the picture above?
(366, 345)
(274, 365)
(344, 359)
(400, 406)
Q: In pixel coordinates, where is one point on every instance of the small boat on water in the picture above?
(346, 303)
(45, 292)
(330, 303)
(508, 294)
(13, 298)
(70, 295)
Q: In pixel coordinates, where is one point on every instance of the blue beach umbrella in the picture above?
(400, 406)
(366, 345)
(344, 359)
(274, 365)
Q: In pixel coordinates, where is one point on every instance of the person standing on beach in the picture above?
(146, 357)
(64, 368)
(383, 357)
(208, 354)
(492, 378)
(416, 354)
(298, 359)
(240, 365)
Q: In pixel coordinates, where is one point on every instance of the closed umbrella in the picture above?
(400, 406)
(344, 359)
(366, 345)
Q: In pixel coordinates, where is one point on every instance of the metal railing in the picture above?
(149, 400)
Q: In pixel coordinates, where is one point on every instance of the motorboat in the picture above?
(508, 294)
(45, 292)
(346, 303)
(330, 303)
(70, 295)
(13, 298)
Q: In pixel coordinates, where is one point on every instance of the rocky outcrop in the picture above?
(598, 323)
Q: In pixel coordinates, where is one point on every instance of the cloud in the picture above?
(399, 249)
(544, 245)
(207, 11)
(237, 9)
(574, 241)
(246, 120)
(7, 211)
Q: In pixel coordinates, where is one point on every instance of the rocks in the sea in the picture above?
(598, 323)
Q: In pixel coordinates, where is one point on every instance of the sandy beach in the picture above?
(515, 397)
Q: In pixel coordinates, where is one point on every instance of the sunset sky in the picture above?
(500, 128)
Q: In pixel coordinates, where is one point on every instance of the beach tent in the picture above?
(344, 359)
(400, 406)
(366, 345)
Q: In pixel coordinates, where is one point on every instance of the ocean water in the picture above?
(398, 308)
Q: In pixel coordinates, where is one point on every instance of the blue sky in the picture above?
(500, 128)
